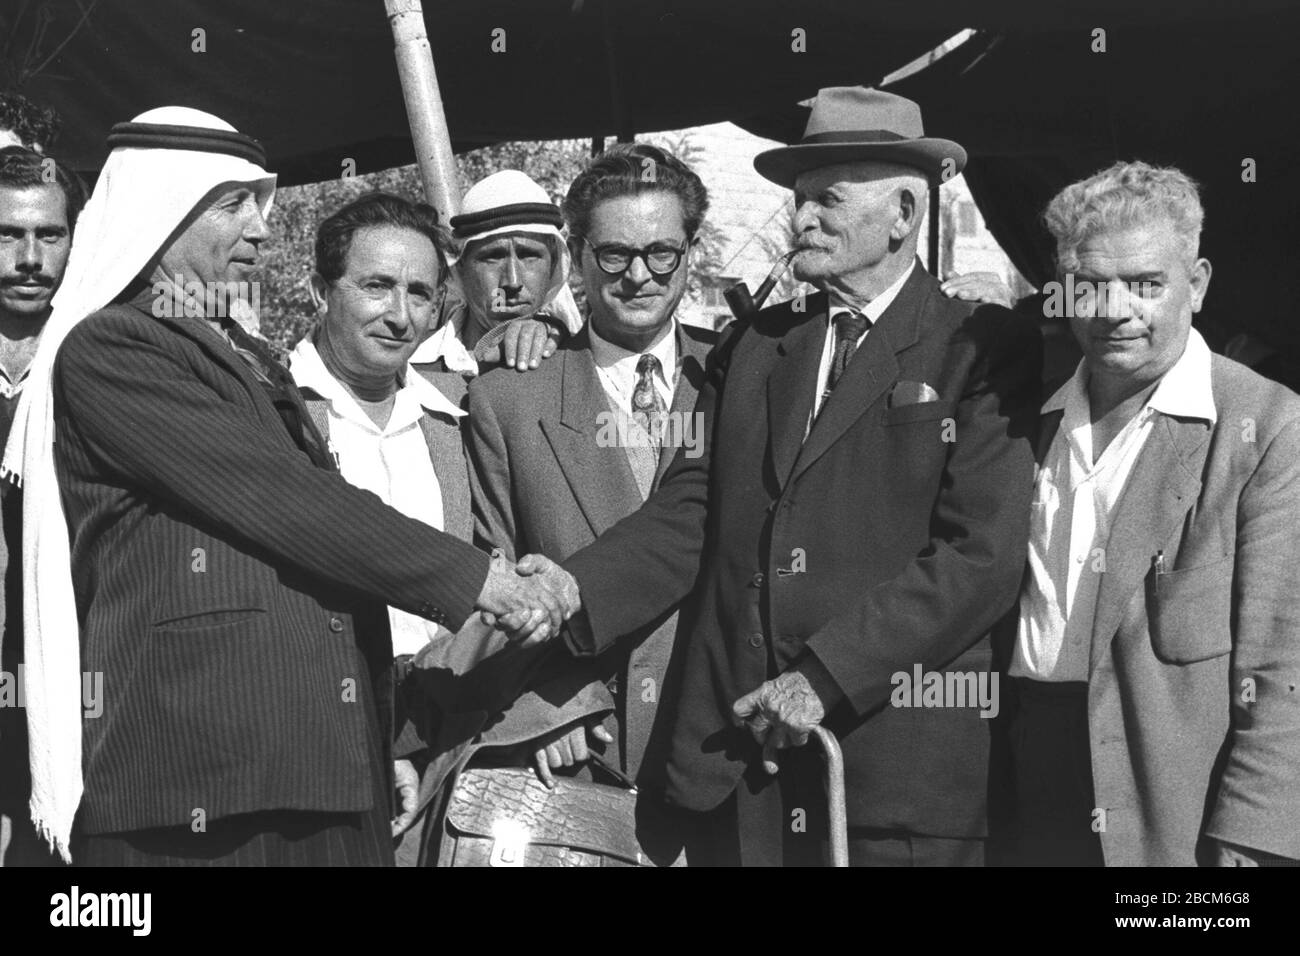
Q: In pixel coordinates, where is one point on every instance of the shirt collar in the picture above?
(446, 344)
(607, 355)
(1184, 391)
(874, 309)
(309, 371)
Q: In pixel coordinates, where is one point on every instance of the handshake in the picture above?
(529, 601)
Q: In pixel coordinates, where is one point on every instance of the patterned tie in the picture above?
(849, 327)
(648, 408)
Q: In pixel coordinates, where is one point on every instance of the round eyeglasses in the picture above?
(660, 258)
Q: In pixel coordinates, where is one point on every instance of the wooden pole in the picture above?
(617, 103)
(424, 106)
(934, 231)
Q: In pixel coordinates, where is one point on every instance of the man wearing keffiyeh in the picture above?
(183, 520)
(509, 270)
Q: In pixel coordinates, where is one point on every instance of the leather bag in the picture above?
(505, 816)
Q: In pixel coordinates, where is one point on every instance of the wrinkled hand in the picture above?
(530, 606)
(783, 712)
(979, 287)
(527, 341)
(407, 784)
(567, 747)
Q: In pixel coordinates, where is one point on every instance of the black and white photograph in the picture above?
(650, 433)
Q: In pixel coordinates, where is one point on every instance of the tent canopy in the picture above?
(315, 79)
(1201, 85)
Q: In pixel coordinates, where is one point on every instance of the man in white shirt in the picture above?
(1156, 657)
(378, 284)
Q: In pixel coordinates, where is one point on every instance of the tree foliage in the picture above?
(288, 256)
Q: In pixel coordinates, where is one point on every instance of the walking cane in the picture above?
(839, 815)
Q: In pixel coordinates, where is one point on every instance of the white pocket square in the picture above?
(911, 393)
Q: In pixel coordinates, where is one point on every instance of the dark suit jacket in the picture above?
(230, 592)
(544, 482)
(875, 544)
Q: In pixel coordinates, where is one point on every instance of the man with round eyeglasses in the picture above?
(661, 259)
(563, 453)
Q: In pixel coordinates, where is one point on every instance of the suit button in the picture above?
(336, 625)
(757, 580)
(756, 640)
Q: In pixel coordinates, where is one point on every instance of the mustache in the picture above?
(36, 278)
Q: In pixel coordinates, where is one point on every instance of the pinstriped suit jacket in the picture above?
(230, 592)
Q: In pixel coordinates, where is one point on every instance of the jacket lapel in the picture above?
(689, 382)
(213, 342)
(790, 387)
(221, 352)
(1048, 425)
(870, 373)
(601, 483)
(1162, 488)
(447, 452)
(444, 436)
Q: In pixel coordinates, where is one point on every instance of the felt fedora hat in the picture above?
(853, 123)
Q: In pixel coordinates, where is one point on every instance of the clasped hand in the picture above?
(529, 601)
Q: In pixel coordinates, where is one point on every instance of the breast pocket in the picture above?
(920, 412)
(1190, 612)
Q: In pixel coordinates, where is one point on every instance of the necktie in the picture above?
(280, 389)
(849, 327)
(648, 408)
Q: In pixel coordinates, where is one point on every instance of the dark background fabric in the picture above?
(1037, 109)
(1200, 85)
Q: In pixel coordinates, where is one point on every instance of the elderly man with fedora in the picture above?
(192, 551)
(855, 526)
(510, 297)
